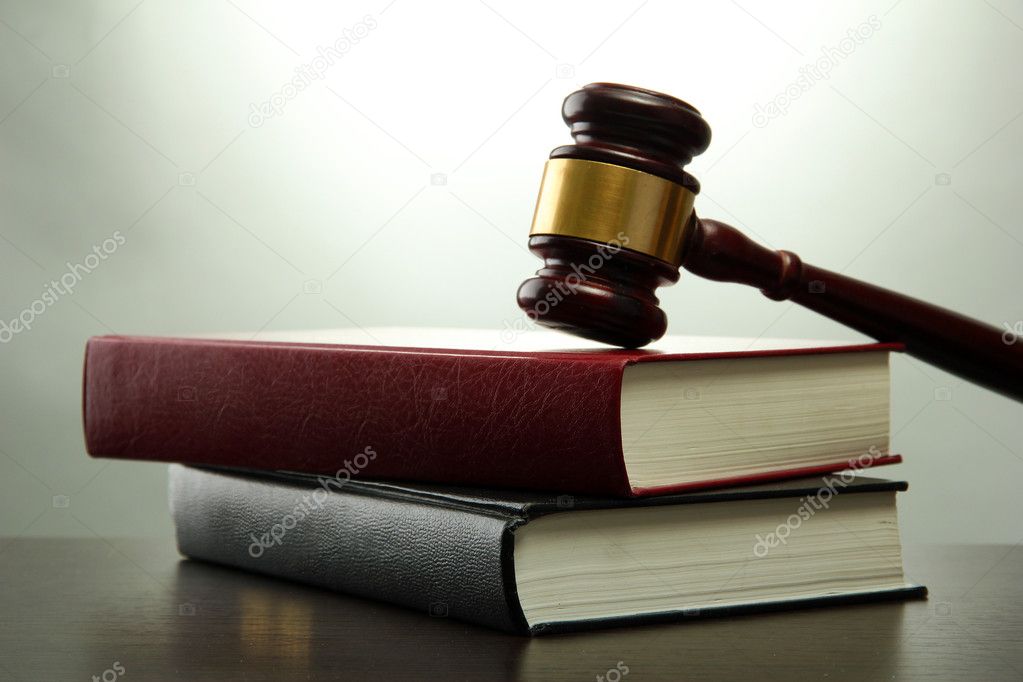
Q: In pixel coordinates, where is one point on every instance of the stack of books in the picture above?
(526, 486)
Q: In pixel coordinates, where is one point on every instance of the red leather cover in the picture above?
(541, 421)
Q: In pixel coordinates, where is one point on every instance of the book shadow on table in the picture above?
(282, 626)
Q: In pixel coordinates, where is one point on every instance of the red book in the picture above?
(691, 413)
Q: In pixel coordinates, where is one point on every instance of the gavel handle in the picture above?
(970, 349)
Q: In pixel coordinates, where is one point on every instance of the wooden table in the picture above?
(74, 609)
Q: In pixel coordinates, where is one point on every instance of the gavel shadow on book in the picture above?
(614, 220)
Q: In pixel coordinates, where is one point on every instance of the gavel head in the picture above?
(613, 214)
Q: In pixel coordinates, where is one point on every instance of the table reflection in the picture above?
(281, 628)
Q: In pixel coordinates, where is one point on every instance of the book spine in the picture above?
(442, 561)
(513, 421)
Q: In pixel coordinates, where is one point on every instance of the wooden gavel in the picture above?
(614, 220)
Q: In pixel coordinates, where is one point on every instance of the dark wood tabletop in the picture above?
(107, 609)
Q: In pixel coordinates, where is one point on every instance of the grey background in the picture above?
(398, 189)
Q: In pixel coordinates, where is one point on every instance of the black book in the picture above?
(535, 563)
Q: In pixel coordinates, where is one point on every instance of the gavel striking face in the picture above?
(614, 220)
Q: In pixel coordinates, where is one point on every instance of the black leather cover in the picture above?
(445, 561)
(443, 551)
